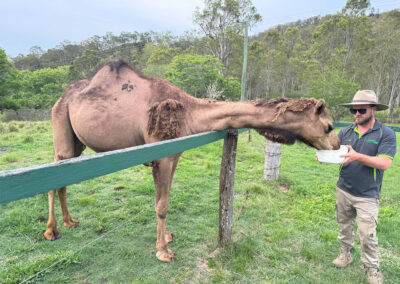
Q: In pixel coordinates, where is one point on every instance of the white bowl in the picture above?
(332, 156)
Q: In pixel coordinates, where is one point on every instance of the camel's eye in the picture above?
(330, 128)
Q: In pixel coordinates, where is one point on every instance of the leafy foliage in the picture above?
(194, 73)
(8, 81)
(334, 91)
(220, 20)
(334, 54)
(42, 88)
(83, 65)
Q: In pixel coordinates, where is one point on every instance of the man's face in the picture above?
(363, 119)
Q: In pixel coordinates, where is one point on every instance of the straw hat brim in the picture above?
(378, 106)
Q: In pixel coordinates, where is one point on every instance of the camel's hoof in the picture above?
(169, 237)
(71, 223)
(51, 235)
(165, 256)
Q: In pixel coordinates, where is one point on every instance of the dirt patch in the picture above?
(202, 269)
(118, 188)
(42, 219)
(100, 230)
(4, 150)
(284, 187)
(120, 199)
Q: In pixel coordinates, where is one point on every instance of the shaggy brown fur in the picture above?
(119, 107)
(165, 119)
(282, 105)
(278, 135)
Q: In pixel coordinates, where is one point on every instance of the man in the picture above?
(372, 147)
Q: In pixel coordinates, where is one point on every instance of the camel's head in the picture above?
(302, 119)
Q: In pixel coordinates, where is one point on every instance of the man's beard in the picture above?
(365, 120)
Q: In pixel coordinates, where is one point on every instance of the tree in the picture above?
(157, 63)
(334, 91)
(28, 62)
(85, 64)
(140, 56)
(222, 17)
(356, 8)
(195, 74)
(8, 81)
(53, 58)
(41, 88)
(384, 65)
(341, 41)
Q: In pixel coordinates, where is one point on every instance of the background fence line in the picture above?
(344, 124)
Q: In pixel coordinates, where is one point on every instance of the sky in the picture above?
(47, 23)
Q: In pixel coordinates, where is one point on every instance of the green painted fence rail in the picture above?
(25, 182)
(344, 124)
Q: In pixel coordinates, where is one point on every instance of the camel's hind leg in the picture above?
(66, 146)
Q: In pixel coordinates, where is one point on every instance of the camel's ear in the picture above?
(319, 107)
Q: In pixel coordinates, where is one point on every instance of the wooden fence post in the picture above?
(272, 160)
(226, 183)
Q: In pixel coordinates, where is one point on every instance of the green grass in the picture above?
(280, 237)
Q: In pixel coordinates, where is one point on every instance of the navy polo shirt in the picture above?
(356, 178)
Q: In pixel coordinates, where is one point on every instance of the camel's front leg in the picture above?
(51, 232)
(163, 172)
(68, 221)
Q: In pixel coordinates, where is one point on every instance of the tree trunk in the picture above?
(272, 160)
(393, 95)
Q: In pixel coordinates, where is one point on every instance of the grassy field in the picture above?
(286, 232)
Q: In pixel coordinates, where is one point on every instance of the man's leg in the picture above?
(345, 214)
(367, 220)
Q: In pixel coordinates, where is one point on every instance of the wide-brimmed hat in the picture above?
(366, 97)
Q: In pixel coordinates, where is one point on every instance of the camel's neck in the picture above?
(207, 116)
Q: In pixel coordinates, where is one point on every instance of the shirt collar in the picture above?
(377, 125)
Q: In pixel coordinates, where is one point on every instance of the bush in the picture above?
(27, 139)
(10, 158)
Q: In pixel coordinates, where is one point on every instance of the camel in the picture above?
(119, 107)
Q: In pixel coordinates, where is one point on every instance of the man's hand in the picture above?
(350, 156)
(380, 162)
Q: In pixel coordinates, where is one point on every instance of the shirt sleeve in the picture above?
(387, 145)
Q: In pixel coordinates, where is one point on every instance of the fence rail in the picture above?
(29, 181)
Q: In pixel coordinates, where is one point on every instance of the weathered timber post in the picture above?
(226, 183)
(272, 160)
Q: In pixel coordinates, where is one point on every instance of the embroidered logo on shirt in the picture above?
(372, 141)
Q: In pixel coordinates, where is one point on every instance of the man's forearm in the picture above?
(378, 162)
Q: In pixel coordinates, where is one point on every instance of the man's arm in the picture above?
(377, 162)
